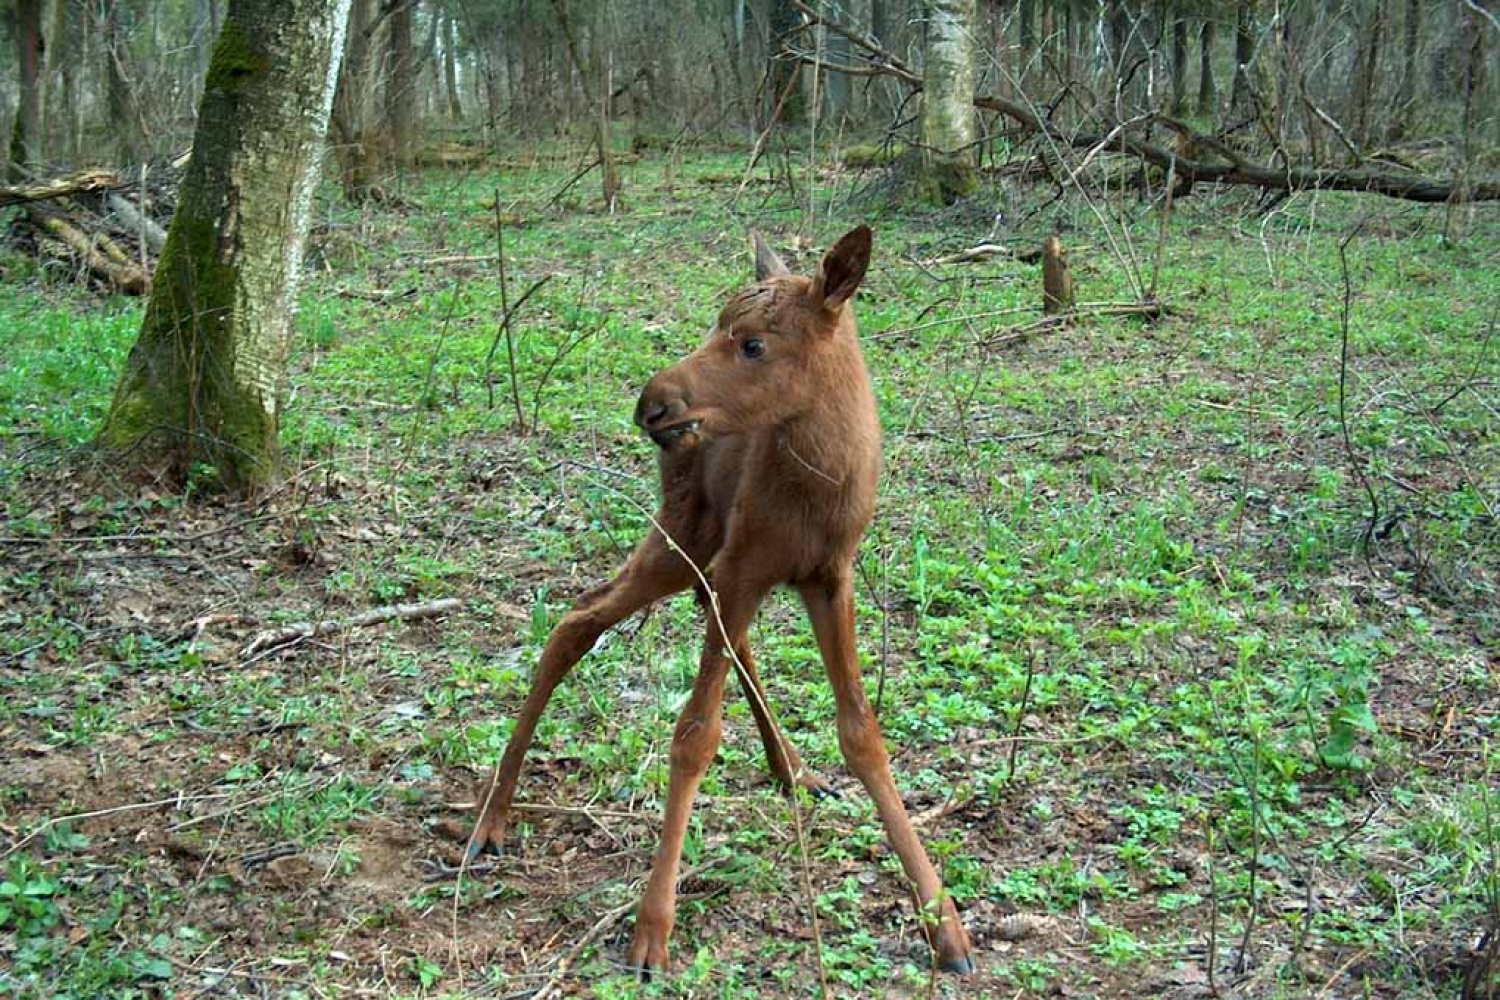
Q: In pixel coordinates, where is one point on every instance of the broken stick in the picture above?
(390, 612)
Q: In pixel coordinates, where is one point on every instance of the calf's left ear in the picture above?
(843, 269)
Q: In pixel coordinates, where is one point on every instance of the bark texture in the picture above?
(948, 171)
(204, 380)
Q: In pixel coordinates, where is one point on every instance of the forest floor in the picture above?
(1185, 635)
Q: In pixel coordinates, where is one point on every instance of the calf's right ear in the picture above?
(843, 268)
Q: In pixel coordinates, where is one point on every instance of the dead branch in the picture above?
(1149, 310)
(973, 255)
(390, 612)
(92, 179)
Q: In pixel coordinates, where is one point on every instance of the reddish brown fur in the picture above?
(768, 467)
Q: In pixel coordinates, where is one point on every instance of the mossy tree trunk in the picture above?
(947, 169)
(204, 380)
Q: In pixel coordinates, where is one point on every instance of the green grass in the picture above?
(1116, 604)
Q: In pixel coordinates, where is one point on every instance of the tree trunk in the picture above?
(595, 73)
(450, 68)
(1240, 93)
(204, 380)
(1026, 15)
(1208, 94)
(1179, 65)
(1473, 82)
(785, 75)
(948, 102)
(1368, 61)
(64, 55)
(836, 89)
(26, 135)
(400, 87)
(1406, 96)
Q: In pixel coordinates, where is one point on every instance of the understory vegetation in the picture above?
(1183, 631)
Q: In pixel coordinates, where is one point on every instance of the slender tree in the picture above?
(450, 67)
(1179, 64)
(204, 380)
(26, 135)
(1208, 93)
(1240, 93)
(124, 110)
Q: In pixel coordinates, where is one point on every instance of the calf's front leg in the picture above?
(653, 571)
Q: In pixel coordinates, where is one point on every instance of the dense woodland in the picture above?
(1305, 82)
(324, 327)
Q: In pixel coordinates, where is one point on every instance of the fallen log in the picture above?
(1238, 170)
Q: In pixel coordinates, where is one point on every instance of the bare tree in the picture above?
(1406, 95)
(400, 82)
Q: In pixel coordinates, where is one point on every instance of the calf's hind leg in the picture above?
(653, 571)
(830, 605)
(782, 759)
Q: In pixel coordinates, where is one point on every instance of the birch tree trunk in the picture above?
(204, 381)
(947, 170)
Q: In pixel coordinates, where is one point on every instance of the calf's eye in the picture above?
(754, 347)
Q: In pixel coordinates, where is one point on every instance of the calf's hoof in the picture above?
(961, 966)
(648, 957)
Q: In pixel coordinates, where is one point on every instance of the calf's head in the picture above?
(776, 348)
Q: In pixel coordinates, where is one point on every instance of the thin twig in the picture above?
(1367, 536)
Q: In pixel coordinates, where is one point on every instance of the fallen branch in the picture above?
(153, 235)
(973, 255)
(390, 612)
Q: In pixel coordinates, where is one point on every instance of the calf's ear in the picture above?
(767, 264)
(843, 269)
